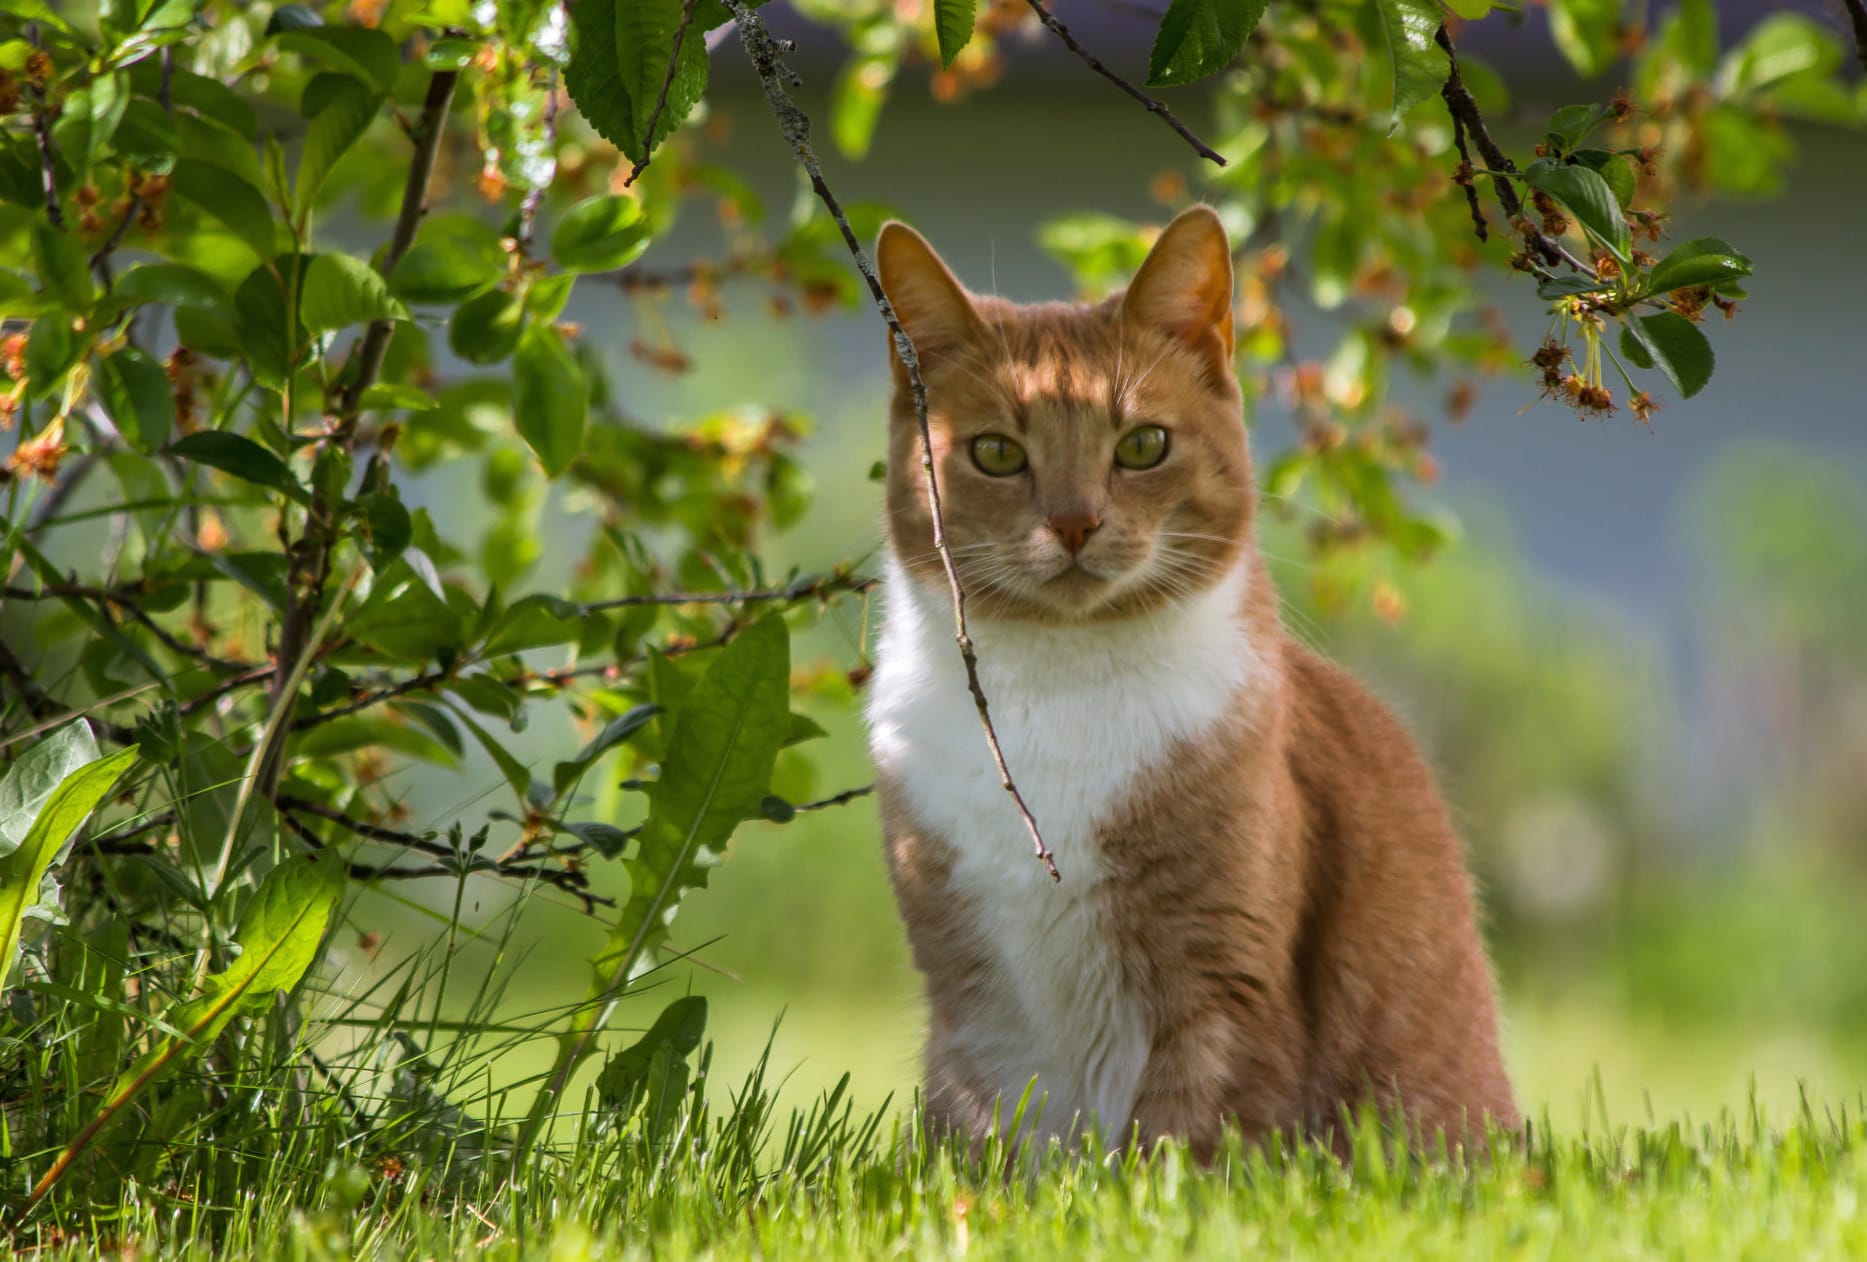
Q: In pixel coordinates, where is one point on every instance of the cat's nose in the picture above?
(1073, 528)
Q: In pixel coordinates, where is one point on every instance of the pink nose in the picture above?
(1073, 528)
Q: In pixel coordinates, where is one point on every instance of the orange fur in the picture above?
(1284, 895)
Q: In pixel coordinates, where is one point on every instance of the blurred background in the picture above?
(1641, 672)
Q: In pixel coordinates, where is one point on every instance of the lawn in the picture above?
(830, 1184)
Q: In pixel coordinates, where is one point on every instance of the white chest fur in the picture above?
(1081, 713)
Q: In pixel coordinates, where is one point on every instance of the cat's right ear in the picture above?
(933, 308)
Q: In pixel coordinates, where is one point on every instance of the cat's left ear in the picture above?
(934, 309)
(1184, 287)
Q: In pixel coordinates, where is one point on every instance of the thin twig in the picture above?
(119, 841)
(100, 261)
(38, 703)
(42, 131)
(363, 828)
(774, 74)
(803, 589)
(841, 799)
(1154, 106)
(1464, 110)
(106, 598)
(661, 100)
(1469, 182)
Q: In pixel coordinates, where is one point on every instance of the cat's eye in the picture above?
(998, 455)
(1142, 447)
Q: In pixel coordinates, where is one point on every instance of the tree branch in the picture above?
(1465, 116)
(795, 125)
(1154, 106)
(42, 132)
(534, 197)
(802, 589)
(661, 101)
(841, 799)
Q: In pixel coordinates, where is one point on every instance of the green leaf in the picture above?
(203, 94)
(1585, 195)
(36, 774)
(338, 125)
(450, 52)
(1676, 346)
(534, 622)
(406, 618)
(340, 290)
(1571, 124)
(453, 257)
(600, 234)
(64, 270)
(280, 932)
(390, 527)
(147, 137)
(717, 771)
(1201, 37)
(1614, 168)
(619, 61)
(361, 51)
(138, 398)
(396, 396)
(549, 402)
(1420, 65)
(1470, 10)
(856, 100)
(1586, 31)
(677, 1031)
(23, 870)
(1701, 261)
(272, 338)
(1782, 47)
(293, 17)
(614, 733)
(240, 456)
(174, 285)
(486, 328)
(511, 768)
(226, 197)
(1568, 287)
(953, 27)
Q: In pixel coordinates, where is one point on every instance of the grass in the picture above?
(831, 1183)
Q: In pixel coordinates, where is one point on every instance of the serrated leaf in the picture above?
(138, 398)
(549, 404)
(600, 234)
(1420, 66)
(953, 21)
(1701, 261)
(1199, 38)
(1571, 124)
(240, 456)
(677, 1031)
(619, 60)
(1587, 197)
(339, 290)
(1677, 347)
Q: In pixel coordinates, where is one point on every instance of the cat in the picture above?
(1264, 917)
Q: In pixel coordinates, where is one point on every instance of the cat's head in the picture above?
(1092, 460)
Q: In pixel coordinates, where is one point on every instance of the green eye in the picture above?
(997, 455)
(1142, 447)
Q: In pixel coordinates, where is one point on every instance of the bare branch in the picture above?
(1153, 105)
(802, 589)
(661, 101)
(841, 799)
(42, 131)
(774, 74)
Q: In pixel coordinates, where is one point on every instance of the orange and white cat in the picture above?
(1264, 914)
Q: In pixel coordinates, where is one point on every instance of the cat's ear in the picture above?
(1184, 287)
(933, 308)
